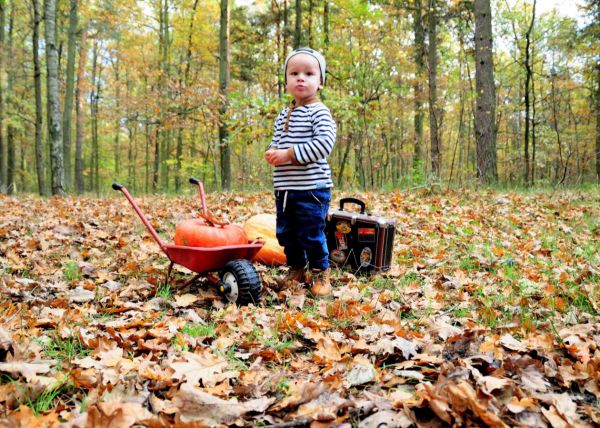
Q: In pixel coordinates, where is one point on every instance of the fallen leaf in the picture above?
(511, 343)
(81, 295)
(361, 372)
(197, 406)
(206, 368)
(25, 418)
(389, 346)
(27, 370)
(386, 419)
(116, 415)
(184, 300)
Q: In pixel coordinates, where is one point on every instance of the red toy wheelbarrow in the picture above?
(227, 267)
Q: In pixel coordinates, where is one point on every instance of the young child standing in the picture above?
(304, 135)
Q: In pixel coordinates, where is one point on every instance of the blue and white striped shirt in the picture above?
(311, 134)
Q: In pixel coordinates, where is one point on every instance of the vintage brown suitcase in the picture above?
(358, 240)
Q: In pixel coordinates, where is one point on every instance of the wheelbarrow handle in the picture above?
(194, 180)
(140, 214)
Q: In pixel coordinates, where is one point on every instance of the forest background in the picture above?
(151, 92)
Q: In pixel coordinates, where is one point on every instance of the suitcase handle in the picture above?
(358, 202)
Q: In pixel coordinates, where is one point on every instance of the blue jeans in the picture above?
(301, 218)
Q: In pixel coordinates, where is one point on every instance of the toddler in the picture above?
(304, 135)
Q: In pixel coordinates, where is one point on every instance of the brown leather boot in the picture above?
(321, 285)
(294, 277)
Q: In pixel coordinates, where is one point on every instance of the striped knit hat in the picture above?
(308, 51)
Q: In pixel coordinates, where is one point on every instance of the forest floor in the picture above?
(489, 316)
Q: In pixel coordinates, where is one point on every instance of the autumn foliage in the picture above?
(488, 317)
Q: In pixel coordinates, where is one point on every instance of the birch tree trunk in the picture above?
(70, 83)
(54, 117)
(39, 121)
(485, 115)
(224, 79)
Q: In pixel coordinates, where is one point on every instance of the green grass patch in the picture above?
(510, 272)
(48, 399)
(200, 330)
(235, 363)
(409, 279)
(164, 292)
(468, 264)
(71, 270)
(61, 349)
(462, 312)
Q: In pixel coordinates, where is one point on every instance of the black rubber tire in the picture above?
(248, 281)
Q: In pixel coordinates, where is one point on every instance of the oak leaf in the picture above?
(116, 415)
(196, 405)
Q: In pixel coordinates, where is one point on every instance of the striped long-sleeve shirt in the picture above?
(311, 134)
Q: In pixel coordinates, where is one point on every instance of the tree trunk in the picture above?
(79, 111)
(39, 121)
(276, 10)
(2, 149)
(310, 18)
(54, 125)
(298, 29)
(325, 25)
(164, 136)
(434, 113)
(560, 166)
(485, 116)
(533, 118)
(419, 58)
(183, 83)
(94, 97)
(528, 74)
(156, 161)
(69, 92)
(224, 80)
(285, 31)
(117, 138)
(146, 137)
(11, 160)
(597, 97)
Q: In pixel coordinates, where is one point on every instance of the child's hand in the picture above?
(279, 157)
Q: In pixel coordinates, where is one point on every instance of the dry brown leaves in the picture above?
(488, 317)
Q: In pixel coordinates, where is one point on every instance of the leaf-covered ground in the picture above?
(488, 317)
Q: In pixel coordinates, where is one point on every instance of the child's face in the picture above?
(303, 77)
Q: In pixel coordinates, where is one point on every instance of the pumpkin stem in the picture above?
(212, 219)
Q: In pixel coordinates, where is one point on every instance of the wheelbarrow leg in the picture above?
(192, 280)
(189, 282)
(169, 274)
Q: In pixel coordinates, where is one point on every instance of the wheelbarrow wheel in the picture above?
(240, 282)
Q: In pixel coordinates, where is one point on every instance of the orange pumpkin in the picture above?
(262, 226)
(198, 232)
